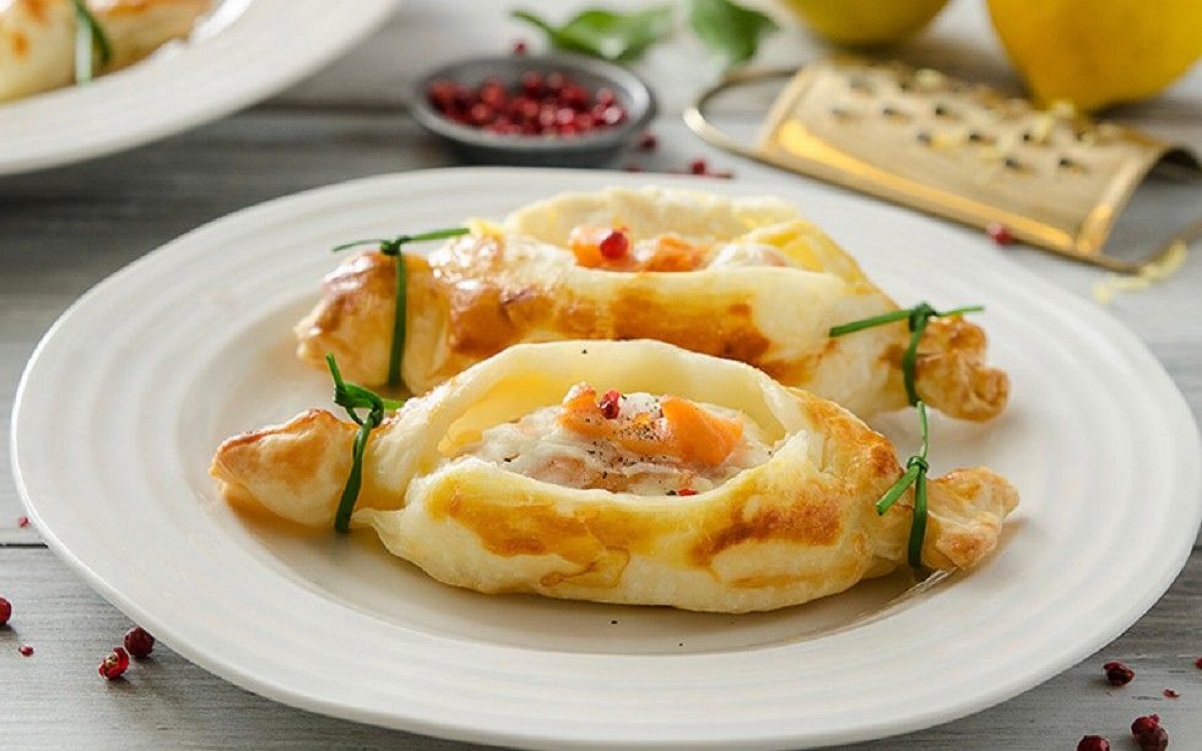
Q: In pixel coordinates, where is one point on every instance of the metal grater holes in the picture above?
(1010, 128)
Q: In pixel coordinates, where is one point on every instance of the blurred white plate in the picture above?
(125, 400)
(245, 52)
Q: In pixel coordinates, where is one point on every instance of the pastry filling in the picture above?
(630, 443)
(611, 249)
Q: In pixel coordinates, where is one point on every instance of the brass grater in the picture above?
(962, 151)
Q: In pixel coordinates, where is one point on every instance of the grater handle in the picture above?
(697, 121)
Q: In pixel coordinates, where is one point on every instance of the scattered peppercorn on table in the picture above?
(64, 230)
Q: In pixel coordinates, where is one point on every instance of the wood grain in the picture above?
(64, 230)
(166, 701)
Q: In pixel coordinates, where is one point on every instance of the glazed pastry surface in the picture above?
(745, 279)
(709, 486)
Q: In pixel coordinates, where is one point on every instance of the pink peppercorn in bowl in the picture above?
(547, 111)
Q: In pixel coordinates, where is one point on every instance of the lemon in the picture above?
(866, 23)
(1095, 53)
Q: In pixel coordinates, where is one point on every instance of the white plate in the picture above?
(247, 51)
(124, 401)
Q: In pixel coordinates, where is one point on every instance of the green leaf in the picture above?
(603, 33)
(731, 32)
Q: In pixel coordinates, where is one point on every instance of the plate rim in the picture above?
(1124, 339)
(74, 124)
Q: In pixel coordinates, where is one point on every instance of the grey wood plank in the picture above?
(168, 702)
(20, 536)
(163, 702)
(63, 230)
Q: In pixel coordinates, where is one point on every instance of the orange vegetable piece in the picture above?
(673, 254)
(586, 246)
(685, 431)
(669, 253)
(698, 435)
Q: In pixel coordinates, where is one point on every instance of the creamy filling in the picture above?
(542, 447)
(612, 249)
(747, 254)
(727, 255)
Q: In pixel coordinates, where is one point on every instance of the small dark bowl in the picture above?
(593, 149)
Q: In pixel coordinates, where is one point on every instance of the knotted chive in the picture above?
(353, 398)
(916, 475)
(392, 247)
(917, 319)
(90, 39)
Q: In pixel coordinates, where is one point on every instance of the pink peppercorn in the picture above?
(614, 245)
(114, 664)
(1118, 674)
(611, 115)
(1093, 743)
(1149, 734)
(138, 642)
(537, 105)
(611, 405)
(1000, 233)
(1156, 739)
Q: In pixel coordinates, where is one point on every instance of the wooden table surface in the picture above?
(63, 230)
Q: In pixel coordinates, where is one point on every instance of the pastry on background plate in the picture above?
(629, 472)
(746, 279)
(38, 37)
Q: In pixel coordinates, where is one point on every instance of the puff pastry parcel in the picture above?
(37, 37)
(626, 472)
(745, 279)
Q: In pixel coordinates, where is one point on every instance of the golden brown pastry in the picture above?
(744, 279)
(37, 37)
(628, 472)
